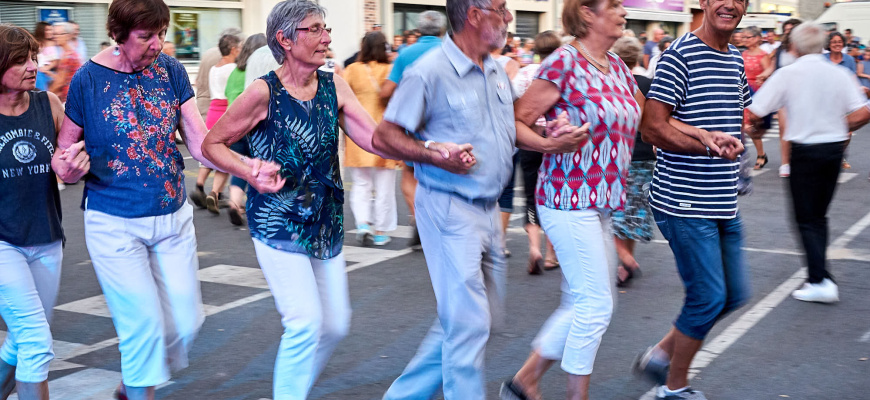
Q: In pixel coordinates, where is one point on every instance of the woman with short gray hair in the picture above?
(291, 116)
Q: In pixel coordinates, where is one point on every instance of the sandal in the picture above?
(760, 161)
(236, 214)
(120, 392)
(536, 265)
(631, 274)
(846, 164)
(512, 391)
(550, 265)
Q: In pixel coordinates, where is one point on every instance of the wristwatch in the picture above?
(428, 143)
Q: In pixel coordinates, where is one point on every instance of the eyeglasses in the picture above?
(503, 12)
(316, 30)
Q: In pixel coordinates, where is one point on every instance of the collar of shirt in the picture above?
(427, 39)
(461, 63)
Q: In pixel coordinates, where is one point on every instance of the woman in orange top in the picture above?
(369, 172)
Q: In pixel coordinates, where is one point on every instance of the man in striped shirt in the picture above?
(699, 86)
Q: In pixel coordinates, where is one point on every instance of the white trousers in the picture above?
(29, 278)
(462, 244)
(584, 245)
(147, 270)
(378, 209)
(311, 296)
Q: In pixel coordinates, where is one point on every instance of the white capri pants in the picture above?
(147, 270)
(29, 278)
(584, 245)
(380, 210)
(311, 296)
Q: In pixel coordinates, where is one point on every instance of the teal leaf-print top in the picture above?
(307, 215)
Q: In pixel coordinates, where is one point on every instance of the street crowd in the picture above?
(612, 136)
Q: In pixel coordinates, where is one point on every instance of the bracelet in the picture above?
(708, 151)
(428, 143)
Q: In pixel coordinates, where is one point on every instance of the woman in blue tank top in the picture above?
(291, 116)
(31, 236)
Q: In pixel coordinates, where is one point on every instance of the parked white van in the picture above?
(853, 15)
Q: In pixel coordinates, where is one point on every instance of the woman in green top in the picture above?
(235, 87)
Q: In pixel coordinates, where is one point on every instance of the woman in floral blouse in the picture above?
(123, 107)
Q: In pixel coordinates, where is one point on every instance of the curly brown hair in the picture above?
(126, 15)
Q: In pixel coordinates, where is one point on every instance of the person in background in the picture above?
(229, 46)
(847, 36)
(235, 87)
(755, 62)
(836, 45)
(398, 43)
(651, 47)
(663, 44)
(48, 58)
(527, 52)
(124, 106)
(509, 45)
(203, 101)
(770, 43)
(634, 223)
(530, 161)
(299, 244)
(432, 25)
(373, 194)
(105, 45)
(31, 234)
(80, 46)
(260, 63)
(330, 65)
(863, 71)
(169, 48)
(823, 105)
(68, 62)
(509, 63)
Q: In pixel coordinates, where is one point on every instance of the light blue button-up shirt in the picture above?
(446, 97)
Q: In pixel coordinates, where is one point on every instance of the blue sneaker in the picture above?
(381, 240)
(653, 365)
(362, 232)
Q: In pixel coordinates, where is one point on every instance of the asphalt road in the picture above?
(775, 347)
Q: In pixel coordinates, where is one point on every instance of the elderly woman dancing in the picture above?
(578, 190)
(125, 103)
(291, 116)
(31, 236)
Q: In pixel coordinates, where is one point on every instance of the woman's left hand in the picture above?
(265, 175)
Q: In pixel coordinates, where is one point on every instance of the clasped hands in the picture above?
(265, 176)
(563, 138)
(721, 144)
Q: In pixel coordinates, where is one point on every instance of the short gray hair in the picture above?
(431, 23)
(752, 31)
(808, 38)
(629, 50)
(286, 17)
(457, 11)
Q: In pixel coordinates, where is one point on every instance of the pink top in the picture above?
(594, 175)
(752, 66)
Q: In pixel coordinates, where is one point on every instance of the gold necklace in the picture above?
(597, 64)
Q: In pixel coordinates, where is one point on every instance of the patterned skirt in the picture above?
(636, 221)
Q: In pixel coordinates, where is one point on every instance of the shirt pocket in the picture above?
(466, 113)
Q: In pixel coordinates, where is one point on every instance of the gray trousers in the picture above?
(462, 244)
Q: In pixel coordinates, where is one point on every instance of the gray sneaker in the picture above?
(652, 365)
(688, 394)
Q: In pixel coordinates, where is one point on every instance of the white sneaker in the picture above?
(784, 170)
(823, 292)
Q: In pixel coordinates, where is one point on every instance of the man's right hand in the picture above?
(722, 144)
(456, 158)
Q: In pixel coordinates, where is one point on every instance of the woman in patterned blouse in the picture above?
(577, 191)
(122, 109)
(291, 116)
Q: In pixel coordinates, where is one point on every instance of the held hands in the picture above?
(456, 158)
(722, 144)
(564, 137)
(265, 175)
(75, 163)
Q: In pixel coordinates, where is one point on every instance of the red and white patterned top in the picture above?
(593, 176)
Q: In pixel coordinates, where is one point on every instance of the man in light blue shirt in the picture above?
(457, 93)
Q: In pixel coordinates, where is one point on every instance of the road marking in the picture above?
(865, 338)
(755, 172)
(233, 275)
(717, 346)
(846, 177)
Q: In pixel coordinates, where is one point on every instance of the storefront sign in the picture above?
(54, 15)
(663, 5)
(185, 27)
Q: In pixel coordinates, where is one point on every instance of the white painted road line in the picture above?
(865, 338)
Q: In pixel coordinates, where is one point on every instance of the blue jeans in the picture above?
(711, 265)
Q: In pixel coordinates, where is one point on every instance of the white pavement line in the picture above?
(851, 233)
(755, 172)
(846, 177)
(865, 338)
(212, 310)
(233, 275)
(94, 305)
(717, 346)
(751, 249)
(379, 259)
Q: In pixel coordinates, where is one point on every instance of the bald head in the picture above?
(657, 34)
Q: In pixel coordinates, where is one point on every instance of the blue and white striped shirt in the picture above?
(707, 89)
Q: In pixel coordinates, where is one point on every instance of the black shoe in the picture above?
(198, 198)
(652, 365)
(414, 241)
(236, 215)
(510, 391)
